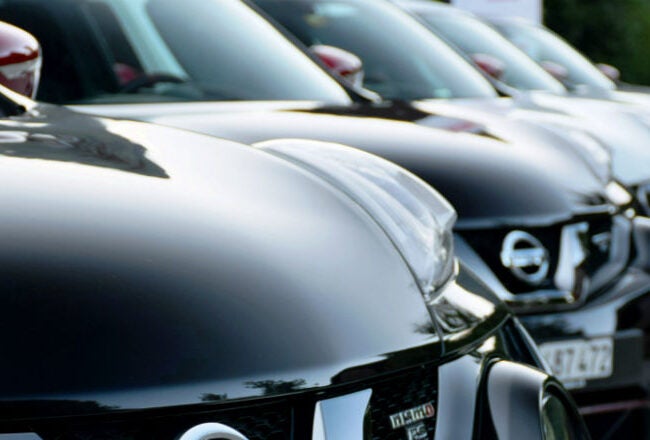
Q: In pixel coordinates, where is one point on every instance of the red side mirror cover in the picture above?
(20, 60)
(341, 62)
(489, 64)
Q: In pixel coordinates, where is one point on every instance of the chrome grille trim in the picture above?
(619, 253)
(341, 418)
(589, 253)
(572, 255)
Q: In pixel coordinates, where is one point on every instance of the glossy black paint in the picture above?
(538, 98)
(201, 271)
(461, 173)
(483, 178)
(620, 311)
(529, 118)
(150, 288)
(148, 274)
(459, 166)
(497, 115)
(488, 180)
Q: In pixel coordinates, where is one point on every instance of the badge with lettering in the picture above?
(413, 421)
(417, 432)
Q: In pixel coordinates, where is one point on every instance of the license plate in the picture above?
(579, 360)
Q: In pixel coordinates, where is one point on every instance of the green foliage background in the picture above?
(609, 31)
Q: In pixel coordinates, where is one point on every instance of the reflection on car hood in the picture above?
(487, 180)
(145, 266)
(617, 125)
(533, 130)
(622, 129)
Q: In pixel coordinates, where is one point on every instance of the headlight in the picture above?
(556, 422)
(617, 194)
(415, 217)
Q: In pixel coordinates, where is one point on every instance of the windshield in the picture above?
(402, 59)
(542, 45)
(105, 51)
(475, 37)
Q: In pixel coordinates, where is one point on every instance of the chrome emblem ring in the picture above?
(526, 257)
(212, 431)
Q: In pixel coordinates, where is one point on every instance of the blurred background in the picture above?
(613, 32)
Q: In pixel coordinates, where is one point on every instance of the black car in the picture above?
(437, 80)
(378, 33)
(623, 128)
(581, 230)
(159, 284)
(570, 67)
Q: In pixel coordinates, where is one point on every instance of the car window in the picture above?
(126, 51)
(542, 45)
(402, 60)
(125, 63)
(474, 37)
(60, 80)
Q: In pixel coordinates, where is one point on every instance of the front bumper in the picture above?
(441, 399)
(622, 314)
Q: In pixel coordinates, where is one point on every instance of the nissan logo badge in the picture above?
(526, 257)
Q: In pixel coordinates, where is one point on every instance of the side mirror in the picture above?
(343, 63)
(493, 66)
(609, 71)
(557, 71)
(20, 60)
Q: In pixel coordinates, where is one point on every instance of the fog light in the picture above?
(556, 422)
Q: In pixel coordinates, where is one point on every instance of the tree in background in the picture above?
(608, 31)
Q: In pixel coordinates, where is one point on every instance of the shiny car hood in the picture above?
(617, 126)
(632, 96)
(143, 265)
(620, 127)
(525, 127)
(487, 180)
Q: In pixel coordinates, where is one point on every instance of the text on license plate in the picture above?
(580, 359)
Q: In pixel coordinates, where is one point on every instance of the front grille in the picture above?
(277, 419)
(261, 422)
(488, 244)
(596, 237)
(398, 394)
(597, 251)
